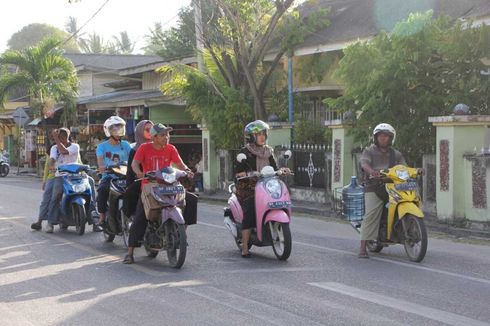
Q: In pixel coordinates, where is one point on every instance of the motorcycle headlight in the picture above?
(79, 187)
(402, 174)
(169, 177)
(273, 187)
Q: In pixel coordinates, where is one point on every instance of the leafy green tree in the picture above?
(177, 41)
(32, 34)
(423, 68)
(94, 43)
(123, 43)
(236, 37)
(209, 98)
(48, 77)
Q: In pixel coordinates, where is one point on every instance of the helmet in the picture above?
(115, 127)
(254, 128)
(384, 128)
(461, 109)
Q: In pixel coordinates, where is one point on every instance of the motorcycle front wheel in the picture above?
(415, 237)
(281, 239)
(78, 213)
(177, 244)
(125, 226)
(4, 170)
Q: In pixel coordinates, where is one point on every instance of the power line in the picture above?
(85, 24)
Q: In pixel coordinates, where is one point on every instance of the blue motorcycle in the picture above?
(77, 196)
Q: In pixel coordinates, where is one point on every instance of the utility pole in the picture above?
(199, 34)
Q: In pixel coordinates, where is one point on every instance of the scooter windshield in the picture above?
(73, 168)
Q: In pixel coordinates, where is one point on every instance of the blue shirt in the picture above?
(113, 154)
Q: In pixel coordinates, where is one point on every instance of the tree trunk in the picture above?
(259, 109)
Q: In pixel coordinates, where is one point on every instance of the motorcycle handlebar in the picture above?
(258, 175)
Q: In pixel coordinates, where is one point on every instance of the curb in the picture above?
(326, 211)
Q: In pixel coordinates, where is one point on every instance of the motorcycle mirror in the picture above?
(241, 157)
(288, 154)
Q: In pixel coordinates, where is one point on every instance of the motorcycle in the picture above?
(402, 220)
(117, 222)
(4, 166)
(273, 212)
(76, 198)
(163, 199)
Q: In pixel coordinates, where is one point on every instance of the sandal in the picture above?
(129, 259)
(247, 255)
(99, 227)
(363, 255)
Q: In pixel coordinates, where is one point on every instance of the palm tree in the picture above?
(94, 44)
(123, 43)
(47, 76)
(71, 27)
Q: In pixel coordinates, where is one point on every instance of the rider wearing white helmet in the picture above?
(374, 158)
(110, 152)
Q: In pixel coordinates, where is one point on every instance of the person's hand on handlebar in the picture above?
(285, 171)
(189, 172)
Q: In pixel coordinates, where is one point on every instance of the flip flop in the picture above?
(129, 259)
(363, 255)
(248, 255)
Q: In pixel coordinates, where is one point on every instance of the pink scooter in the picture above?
(273, 211)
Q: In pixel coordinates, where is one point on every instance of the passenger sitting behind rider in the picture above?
(151, 157)
(259, 154)
(133, 190)
(110, 152)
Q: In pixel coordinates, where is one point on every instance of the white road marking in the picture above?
(402, 305)
(390, 261)
(256, 309)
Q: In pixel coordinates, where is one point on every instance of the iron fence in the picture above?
(312, 165)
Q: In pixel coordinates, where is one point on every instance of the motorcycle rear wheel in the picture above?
(177, 244)
(4, 170)
(415, 239)
(78, 213)
(152, 253)
(374, 246)
(125, 226)
(281, 239)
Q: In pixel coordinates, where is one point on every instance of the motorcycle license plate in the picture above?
(407, 186)
(170, 190)
(280, 204)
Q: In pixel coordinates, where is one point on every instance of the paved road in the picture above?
(65, 279)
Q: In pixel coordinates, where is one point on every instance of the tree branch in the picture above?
(260, 49)
(268, 74)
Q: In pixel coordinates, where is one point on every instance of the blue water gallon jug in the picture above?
(353, 201)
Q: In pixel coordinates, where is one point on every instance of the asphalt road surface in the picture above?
(66, 279)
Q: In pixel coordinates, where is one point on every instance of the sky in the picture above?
(134, 16)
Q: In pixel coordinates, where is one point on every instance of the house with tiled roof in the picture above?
(352, 21)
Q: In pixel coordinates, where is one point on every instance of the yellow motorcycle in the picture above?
(402, 221)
